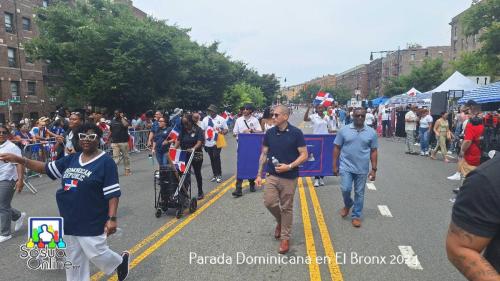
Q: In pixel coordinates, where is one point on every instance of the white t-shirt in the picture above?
(426, 121)
(386, 116)
(240, 126)
(369, 119)
(8, 170)
(219, 125)
(410, 126)
(320, 124)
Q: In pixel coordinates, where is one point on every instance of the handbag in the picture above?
(221, 141)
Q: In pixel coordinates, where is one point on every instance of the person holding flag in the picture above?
(322, 125)
(246, 124)
(213, 125)
(191, 139)
(162, 139)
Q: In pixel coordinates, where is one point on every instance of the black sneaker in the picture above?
(123, 268)
(252, 188)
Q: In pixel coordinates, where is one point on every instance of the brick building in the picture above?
(23, 82)
(459, 42)
(354, 79)
(22, 91)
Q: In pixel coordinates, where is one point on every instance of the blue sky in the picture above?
(301, 40)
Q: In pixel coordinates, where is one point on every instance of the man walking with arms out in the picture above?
(356, 144)
(283, 150)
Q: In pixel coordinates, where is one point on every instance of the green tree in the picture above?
(483, 18)
(469, 64)
(242, 93)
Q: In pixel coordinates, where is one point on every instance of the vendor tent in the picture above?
(378, 101)
(485, 94)
(413, 96)
(455, 82)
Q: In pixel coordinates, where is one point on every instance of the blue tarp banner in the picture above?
(319, 149)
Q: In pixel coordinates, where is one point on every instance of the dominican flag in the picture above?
(324, 99)
(69, 184)
(174, 134)
(210, 133)
(178, 157)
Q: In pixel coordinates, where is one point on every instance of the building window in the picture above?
(454, 46)
(28, 58)
(9, 22)
(14, 89)
(16, 117)
(11, 57)
(26, 24)
(412, 57)
(2, 118)
(45, 3)
(463, 44)
(31, 88)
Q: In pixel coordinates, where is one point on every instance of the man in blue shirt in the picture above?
(283, 150)
(356, 144)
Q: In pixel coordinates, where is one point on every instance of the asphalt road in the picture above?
(232, 239)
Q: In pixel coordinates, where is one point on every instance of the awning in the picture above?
(485, 94)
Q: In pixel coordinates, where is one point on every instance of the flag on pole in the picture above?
(178, 157)
(324, 99)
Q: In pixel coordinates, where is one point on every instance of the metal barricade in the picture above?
(43, 151)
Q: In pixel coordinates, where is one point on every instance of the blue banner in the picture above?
(319, 150)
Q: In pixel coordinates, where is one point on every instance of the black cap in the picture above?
(249, 106)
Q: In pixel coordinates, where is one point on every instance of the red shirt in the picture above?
(473, 133)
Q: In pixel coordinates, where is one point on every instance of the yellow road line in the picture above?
(314, 272)
(97, 276)
(174, 231)
(334, 268)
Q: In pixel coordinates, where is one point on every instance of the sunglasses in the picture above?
(85, 137)
(358, 116)
(4, 133)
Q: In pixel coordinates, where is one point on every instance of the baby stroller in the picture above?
(172, 190)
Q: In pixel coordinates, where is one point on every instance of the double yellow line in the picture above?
(217, 193)
(314, 269)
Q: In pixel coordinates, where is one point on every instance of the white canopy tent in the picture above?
(457, 81)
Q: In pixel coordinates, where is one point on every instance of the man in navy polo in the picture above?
(356, 144)
(283, 150)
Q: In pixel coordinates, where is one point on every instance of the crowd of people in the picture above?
(79, 141)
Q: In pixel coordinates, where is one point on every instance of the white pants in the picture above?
(82, 249)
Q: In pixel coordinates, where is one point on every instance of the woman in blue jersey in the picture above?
(88, 203)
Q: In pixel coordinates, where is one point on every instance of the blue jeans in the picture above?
(347, 180)
(424, 139)
(161, 157)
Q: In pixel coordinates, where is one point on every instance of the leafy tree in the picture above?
(100, 54)
(469, 64)
(483, 18)
(242, 93)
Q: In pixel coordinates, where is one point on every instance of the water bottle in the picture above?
(275, 161)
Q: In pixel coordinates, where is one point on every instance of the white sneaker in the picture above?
(218, 180)
(417, 144)
(19, 222)
(316, 183)
(449, 153)
(213, 179)
(321, 182)
(455, 177)
(5, 238)
(422, 153)
(427, 153)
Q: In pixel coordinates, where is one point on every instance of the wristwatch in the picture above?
(113, 219)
